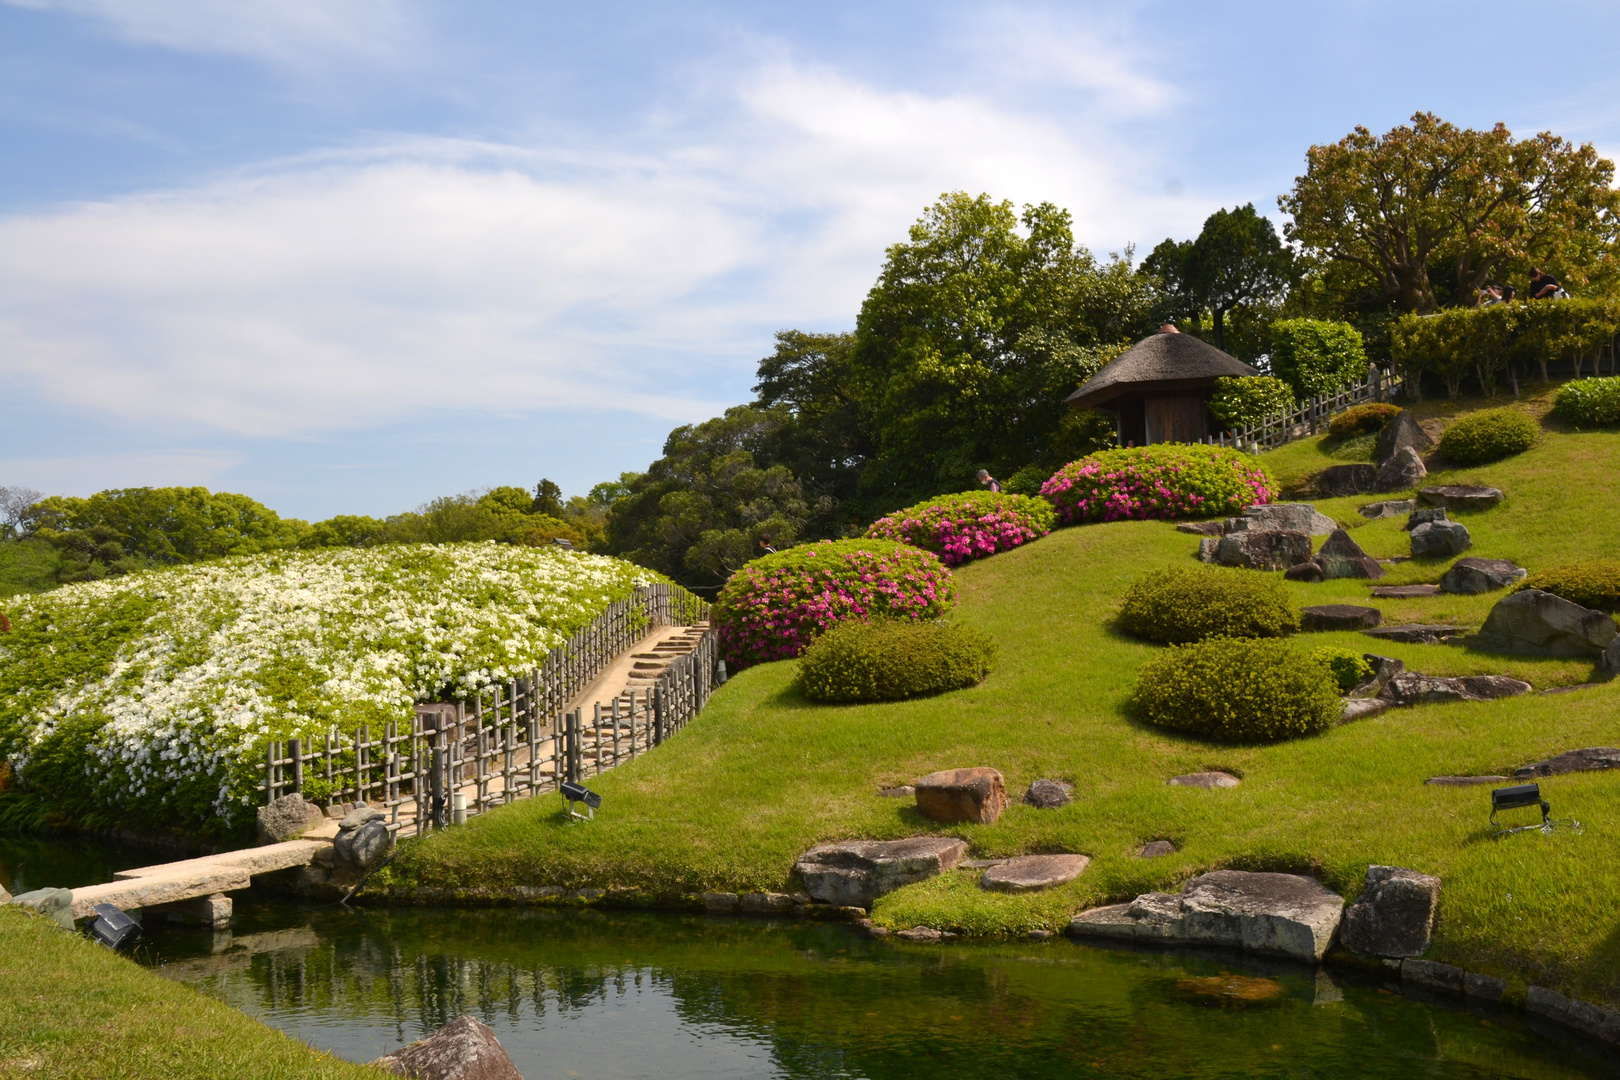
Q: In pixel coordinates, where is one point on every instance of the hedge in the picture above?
(1316, 356)
(1194, 603)
(970, 525)
(1247, 400)
(890, 660)
(775, 606)
(1167, 480)
(1593, 584)
(1238, 690)
(1367, 419)
(1487, 344)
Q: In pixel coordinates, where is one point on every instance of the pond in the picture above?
(616, 996)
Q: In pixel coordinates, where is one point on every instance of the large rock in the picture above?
(1305, 571)
(1049, 794)
(1339, 480)
(1387, 509)
(1401, 433)
(1395, 914)
(1475, 575)
(1424, 514)
(1536, 623)
(1441, 538)
(1402, 472)
(1462, 496)
(1202, 528)
(286, 818)
(856, 872)
(54, 904)
(1208, 780)
(1339, 617)
(978, 795)
(1342, 557)
(1413, 688)
(1590, 759)
(1608, 663)
(1269, 549)
(1282, 517)
(1271, 914)
(464, 1049)
(365, 846)
(1031, 873)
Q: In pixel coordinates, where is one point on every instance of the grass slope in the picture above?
(72, 1008)
(763, 774)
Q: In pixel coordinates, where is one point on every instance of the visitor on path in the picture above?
(986, 480)
(1543, 286)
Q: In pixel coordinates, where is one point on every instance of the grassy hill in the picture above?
(763, 774)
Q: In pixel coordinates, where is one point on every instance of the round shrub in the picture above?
(1169, 480)
(1237, 690)
(889, 660)
(1594, 402)
(1198, 602)
(775, 606)
(1483, 437)
(1246, 400)
(1368, 419)
(1592, 584)
(1348, 668)
(970, 525)
(1026, 481)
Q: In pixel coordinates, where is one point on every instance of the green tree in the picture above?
(1237, 262)
(830, 436)
(345, 530)
(1425, 214)
(547, 499)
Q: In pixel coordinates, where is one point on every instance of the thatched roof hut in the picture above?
(1159, 388)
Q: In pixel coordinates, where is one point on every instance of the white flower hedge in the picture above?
(147, 699)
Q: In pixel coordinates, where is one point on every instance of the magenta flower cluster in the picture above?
(774, 607)
(967, 526)
(1166, 481)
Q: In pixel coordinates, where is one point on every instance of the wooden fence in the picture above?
(1280, 428)
(451, 760)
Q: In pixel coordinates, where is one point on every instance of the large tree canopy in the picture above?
(1236, 260)
(1425, 214)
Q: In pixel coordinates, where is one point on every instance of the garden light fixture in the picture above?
(113, 928)
(579, 793)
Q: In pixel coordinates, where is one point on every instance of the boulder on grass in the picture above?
(1402, 472)
(287, 818)
(1284, 517)
(1394, 916)
(363, 840)
(1462, 496)
(1208, 780)
(1342, 557)
(1536, 623)
(1413, 688)
(1270, 549)
(1305, 571)
(1339, 617)
(464, 1049)
(54, 904)
(1415, 633)
(1403, 432)
(1387, 509)
(978, 795)
(1424, 514)
(1590, 759)
(1049, 794)
(1441, 538)
(1032, 873)
(1209, 547)
(1473, 575)
(1339, 480)
(854, 873)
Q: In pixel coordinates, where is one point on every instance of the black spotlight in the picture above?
(1518, 797)
(113, 928)
(579, 793)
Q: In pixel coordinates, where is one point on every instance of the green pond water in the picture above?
(621, 995)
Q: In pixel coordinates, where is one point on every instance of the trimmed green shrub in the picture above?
(1167, 480)
(1316, 356)
(968, 525)
(1026, 481)
(1491, 435)
(890, 660)
(1595, 402)
(1198, 602)
(1368, 419)
(1349, 669)
(1237, 690)
(1593, 584)
(1247, 400)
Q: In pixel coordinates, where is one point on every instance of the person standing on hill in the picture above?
(1543, 285)
(986, 480)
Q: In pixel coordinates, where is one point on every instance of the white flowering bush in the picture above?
(147, 699)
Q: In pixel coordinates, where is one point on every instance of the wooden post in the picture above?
(295, 750)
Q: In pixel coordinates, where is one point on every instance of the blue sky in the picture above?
(346, 255)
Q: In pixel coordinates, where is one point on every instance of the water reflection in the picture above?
(610, 996)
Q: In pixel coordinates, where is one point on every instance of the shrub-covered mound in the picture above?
(1367, 419)
(1198, 602)
(1349, 669)
(1164, 481)
(774, 607)
(1594, 402)
(1592, 584)
(970, 525)
(147, 698)
(889, 660)
(1483, 437)
(1237, 690)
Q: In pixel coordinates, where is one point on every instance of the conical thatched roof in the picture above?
(1165, 361)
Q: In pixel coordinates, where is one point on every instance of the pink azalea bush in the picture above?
(774, 607)
(970, 525)
(1165, 481)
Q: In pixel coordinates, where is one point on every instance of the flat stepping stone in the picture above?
(1404, 592)
(1339, 617)
(1205, 780)
(853, 873)
(1388, 508)
(1465, 781)
(1462, 496)
(1572, 689)
(979, 864)
(904, 791)
(1202, 528)
(1155, 849)
(1032, 873)
(1361, 709)
(1415, 633)
(1591, 759)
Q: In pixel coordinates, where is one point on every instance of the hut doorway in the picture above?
(1132, 422)
(1178, 418)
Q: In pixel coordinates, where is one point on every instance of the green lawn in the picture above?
(72, 1008)
(763, 774)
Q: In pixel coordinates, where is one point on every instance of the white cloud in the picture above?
(142, 468)
(288, 32)
(354, 289)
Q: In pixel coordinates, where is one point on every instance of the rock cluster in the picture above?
(1282, 517)
(1401, 472)
(1257, 549)
(1395, 914)
(854, 873)
(1401, 433)
(363, 841)
(464, 1049)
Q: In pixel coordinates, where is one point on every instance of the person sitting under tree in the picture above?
(986, 480)
(1543, 285)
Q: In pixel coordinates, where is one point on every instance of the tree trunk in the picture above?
(1220, 328)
